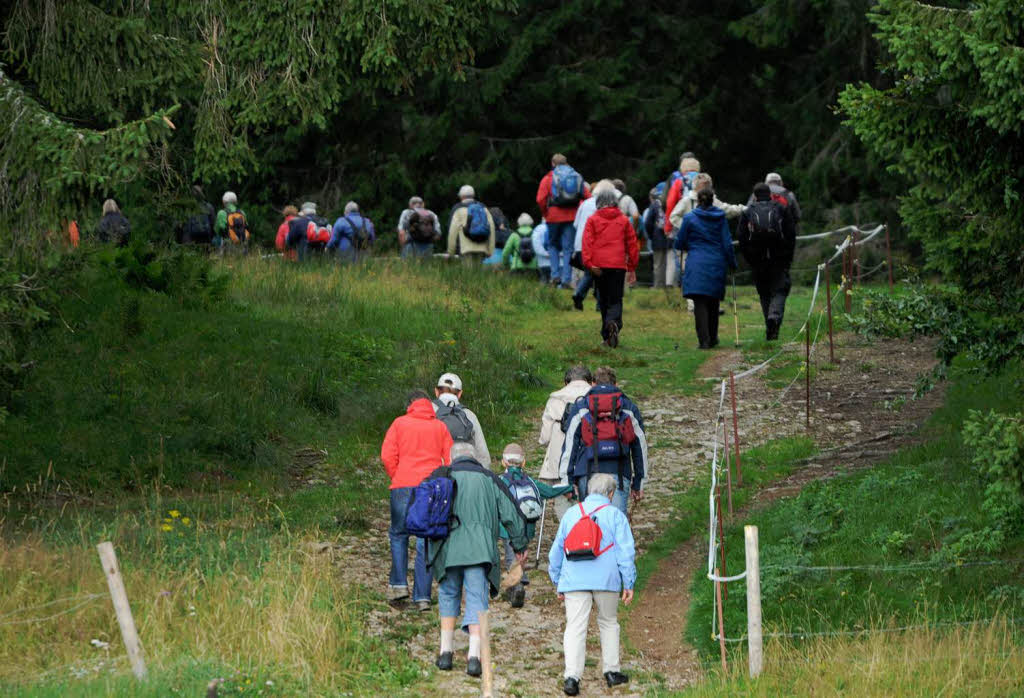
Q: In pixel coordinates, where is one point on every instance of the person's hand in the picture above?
(637, 495)
(561, 597)
(595, 271)
(521, 558)
(401, 238)
(631, 278)
(627, 596)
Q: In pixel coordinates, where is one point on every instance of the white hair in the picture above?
(350, 207)
(229, 198)
(602, 483)
(525, 219)
(467, 192)
(308, 209)
(463, 449)
(415, 200)
(773, 178)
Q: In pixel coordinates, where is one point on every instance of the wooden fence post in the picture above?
(485, 654)
(124, 612)
(755, 645)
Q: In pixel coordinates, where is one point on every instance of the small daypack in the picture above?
(566, 187)
(431, 510)
(238, 230)
(526, 253)
(584, 539)
(606, 429)
(764, 221)
(525, 493)
(780, 199)
(360, 235)
(197, 229)
(318, 232)
(455, 418)
(421, 225)
(477, 228)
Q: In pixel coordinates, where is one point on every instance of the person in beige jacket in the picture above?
(578, 381)
(470, 251)
(686, 204)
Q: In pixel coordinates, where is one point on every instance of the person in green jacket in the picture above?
(467, 560)
(514, 460)
(516, 245)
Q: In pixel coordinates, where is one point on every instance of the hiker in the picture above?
(587, 209)
(231, 230)
(415, 444)
(418, 230)
(704, 235)
(519, 255)
(577, 383)
(678, 187)
(687, 158)
(558, 196)
(353, 235)
(653, 222)
(540, 248)
(531, 498)
(613, 442)
(297, 240)
(197, 229)
(290, 213)
(784, 196)
(113, 226)
(627, 204)
(502, 232)
(611, 253)
(468, 559)
(461, 422)
(471, 232)
(586, 575)
(767, 237)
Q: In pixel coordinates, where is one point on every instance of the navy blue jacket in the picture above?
(654, 224)
(577, 460)
(705, 236)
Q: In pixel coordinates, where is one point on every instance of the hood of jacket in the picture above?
(609, 212)
(709, 214)
(421, 409)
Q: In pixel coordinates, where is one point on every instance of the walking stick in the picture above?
(735, 316)
(540, 531)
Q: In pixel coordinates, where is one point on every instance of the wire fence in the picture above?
(83, 601)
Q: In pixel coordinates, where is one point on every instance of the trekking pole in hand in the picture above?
(735, 315)
(540, 531)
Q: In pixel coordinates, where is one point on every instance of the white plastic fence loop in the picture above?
(735, 578)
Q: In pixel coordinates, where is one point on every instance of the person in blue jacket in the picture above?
(705, 236)
(353, 235)
(600, 581)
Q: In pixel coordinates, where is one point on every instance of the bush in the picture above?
(997, 443)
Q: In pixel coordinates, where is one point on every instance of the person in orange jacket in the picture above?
(558, 196)
(610, 251)
(289, 213)
(415, 444)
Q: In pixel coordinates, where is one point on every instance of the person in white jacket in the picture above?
(449, 393)
(578, 381)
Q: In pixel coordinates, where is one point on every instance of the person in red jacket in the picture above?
(416, 443)
(610, 250)
(280, 242)
(559, 217)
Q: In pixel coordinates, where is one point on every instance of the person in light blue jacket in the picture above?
(353, 235)
(543, 254)
(599, 581)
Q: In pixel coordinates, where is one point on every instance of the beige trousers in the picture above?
(577, 618)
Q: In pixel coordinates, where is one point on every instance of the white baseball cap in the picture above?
(449, 380)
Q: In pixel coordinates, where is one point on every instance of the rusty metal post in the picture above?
(828, 303)
(807, 369)
(725, 459)
(721, 538)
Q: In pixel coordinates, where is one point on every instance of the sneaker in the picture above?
(444, 661)
(613, 334)
(615, 678)
(517, 596)
(474, 667)
(571, 686)
(577, 302)
(423, 606)
(397, 594)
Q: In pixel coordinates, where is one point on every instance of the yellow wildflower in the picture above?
(168, 520)
(187, 521)
(167, 527)
(174, 513)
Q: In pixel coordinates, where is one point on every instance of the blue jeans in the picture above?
(472, 579)
(421, 578)
(621, 498)
(417, 249)
(586, 281)
(563, 239)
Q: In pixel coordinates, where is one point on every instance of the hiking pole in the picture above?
(735, 316)
(540, 531)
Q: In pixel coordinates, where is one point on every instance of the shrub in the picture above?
(997, 444)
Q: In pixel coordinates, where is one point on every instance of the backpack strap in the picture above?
(607, 547)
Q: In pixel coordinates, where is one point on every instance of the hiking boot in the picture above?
(571, 686)
(397, 595)
(444, 661)
(577, 302)
(474, 667)
(771, 330)
(423, 606)
(614, 678)
(517, 596)
(613, 334)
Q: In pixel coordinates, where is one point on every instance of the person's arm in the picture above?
(490, 240)
(674, 194)
(543, 191)
(221, 224)
(678, 212)
(625, 551)
(446, 446)
(795, 205)
(551, 491)
(337, 232)
(372, 231)
(389, 452)
(569, 446)
(730, 254)
(681, 239)
(556, 556)
(632, 248)
(731, 210)
(547, 424)
(510, 247)
(437, 226)
(403, 223)
(458, 220)
(479, 442)
(588, 244)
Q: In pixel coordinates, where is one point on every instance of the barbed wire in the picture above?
(85, 601)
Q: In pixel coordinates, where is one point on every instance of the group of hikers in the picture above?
(472, 522)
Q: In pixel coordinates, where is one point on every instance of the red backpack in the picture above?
(584, 539)
(606, 429)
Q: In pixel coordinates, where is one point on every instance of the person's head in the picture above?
(762, 192)
(702, 181)
(290, 210)
(110, 206)
(579, 372)
(604, 375)
(773, 178)
(197, 191)
(466, 192)
(229, 198)
(525, 219)
(603, 185)
(415, 202)
(308, 209)
(607, 199)
(706, 197)
(619, 185)
(351, 207)
(461, 450)
(415, 395)
(690, 164)
(687, 154)
(602, 484)
(559, 159)
(513, 456)
(448, 383)
(653, 194)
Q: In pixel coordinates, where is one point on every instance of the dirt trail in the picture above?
(850, 422)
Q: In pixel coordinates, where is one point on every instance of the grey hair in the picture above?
(308, 208)
(603, 185)
(229, 198)
(702, 180)
(608, 198)
(579, 372)
(415, 200)
(110, 206)
(463, 449)
(602, 483)
(467, 192)
(350, 207)
(773, 178)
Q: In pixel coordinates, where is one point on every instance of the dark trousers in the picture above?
(705, 316)
(609, 287)
(773, 285)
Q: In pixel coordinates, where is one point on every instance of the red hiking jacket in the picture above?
(556, 214)
(609, 241)
(415, 444)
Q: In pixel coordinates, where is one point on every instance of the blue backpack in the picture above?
(566, 187)
(477, 228)
(431, 507)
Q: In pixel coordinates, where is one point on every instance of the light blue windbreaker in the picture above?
(613, 570)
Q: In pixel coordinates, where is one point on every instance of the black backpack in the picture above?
(454, 417)
(526, 253)
(421, 225)
(764, 222)
(501, 230)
